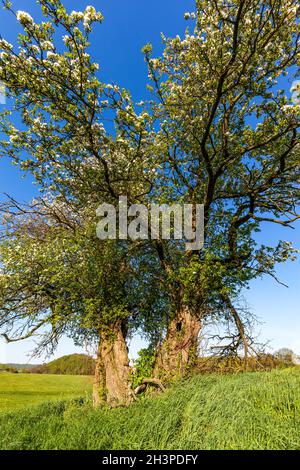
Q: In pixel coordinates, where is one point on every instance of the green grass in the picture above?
(22, 390)
(247, 411)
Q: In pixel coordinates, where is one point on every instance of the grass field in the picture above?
(258, 410)
(23, 390)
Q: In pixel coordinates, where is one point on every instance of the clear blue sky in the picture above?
(116, 45)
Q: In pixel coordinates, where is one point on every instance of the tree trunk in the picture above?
(112, 373)
(99, 389)
(179, 350)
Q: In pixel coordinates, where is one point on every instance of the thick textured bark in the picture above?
(179, 349)
(112, 374)
(99, 388)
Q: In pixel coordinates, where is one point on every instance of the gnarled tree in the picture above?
(58, 278)
(64, 145)
(228, 138)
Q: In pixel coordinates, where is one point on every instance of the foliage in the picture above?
(8, 368)
(56, 273)
(285, 354)
(194, 414)
(143, 366)
(21, 367)
(235, 364)
(74, 364)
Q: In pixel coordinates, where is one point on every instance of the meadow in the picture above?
(257, 410)
(23, 390)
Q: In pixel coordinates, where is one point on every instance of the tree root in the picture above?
(151, 381)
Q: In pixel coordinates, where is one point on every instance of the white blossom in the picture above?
(91, 15)
(51, 55)
(35, 49)
(98, 127)
(23, 17)
(67, 39)
(5, 45)
(76, 15)
(47, 45)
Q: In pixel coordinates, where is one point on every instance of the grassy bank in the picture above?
(23, 390)
(245, 411)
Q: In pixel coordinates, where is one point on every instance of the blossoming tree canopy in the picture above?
(63, 105)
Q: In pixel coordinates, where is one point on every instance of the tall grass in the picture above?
(244, 411)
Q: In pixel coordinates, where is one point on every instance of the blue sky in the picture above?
(116, 46)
